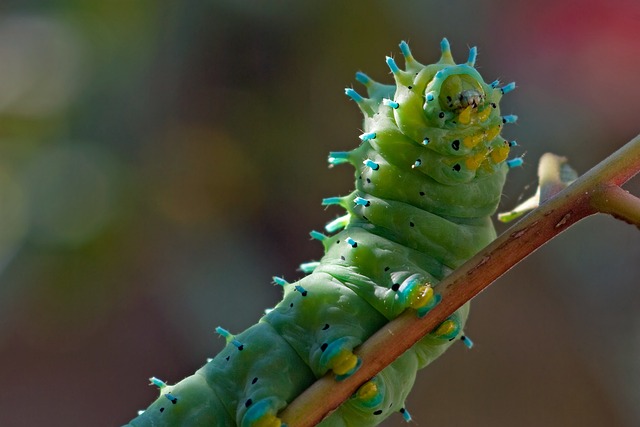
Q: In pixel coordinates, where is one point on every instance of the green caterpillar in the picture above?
(429, 173)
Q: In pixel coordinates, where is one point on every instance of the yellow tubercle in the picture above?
(484, 114)
(492, 132)
(446, 328)
(344, 362)
(499, 155)
(473, 140)
(420, 296)
(268, 420)
(474, 162)
(465, 116)
(367, 391)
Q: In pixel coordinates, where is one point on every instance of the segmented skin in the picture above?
(429, 173)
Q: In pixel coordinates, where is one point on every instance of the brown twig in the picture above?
(596, 191)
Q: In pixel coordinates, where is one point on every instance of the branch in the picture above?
(596, 191)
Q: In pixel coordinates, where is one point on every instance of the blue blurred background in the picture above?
(160, 161)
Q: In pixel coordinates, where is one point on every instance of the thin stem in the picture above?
(619, 203)
(551, 218)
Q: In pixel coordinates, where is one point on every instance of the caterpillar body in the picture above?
(429, 173)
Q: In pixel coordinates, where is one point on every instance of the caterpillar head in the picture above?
(445, 108)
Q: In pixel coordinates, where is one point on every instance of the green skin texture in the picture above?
(422, 221)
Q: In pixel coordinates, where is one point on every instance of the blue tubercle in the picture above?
(473, 54)
(371, 164)
(363, 78)
(279, 281)
(302, 290)
(405, 414)
(157, 382)
(511, 118)
(362, 202)
(404, 48)
(229, 337)
(351, 242)
(467, 341)
(390, 103)
(338, 157)
(337, 224)
(426, 141)
(494, 84)
(513, 143)
(171, 398)
(445, 47)
(309, 267)
(508, 88)
(391, 63)
(317, 235)
(514, 163)
(328, 201)
(351, 93)
(367, 136)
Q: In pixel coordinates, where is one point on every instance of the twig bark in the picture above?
(596, 191)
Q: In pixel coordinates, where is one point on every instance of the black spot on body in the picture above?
(325, 327)
(291, 305)
(368, 181)
(248, 403)
(387, 268)
(441, 115)
(422, 193)
(254, 380)
(457, 167)
(241, 347)
(226, 358)
(395, 287)
(411, 224)
(456, 144)
(161, 409)
(409, 87)
(378, 412)
(303, 293)
(324, 346)
(342, 257)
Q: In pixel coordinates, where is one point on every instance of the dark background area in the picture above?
(160, 161)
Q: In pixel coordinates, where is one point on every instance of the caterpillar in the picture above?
(429, 174)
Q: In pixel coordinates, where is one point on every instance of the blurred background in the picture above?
(161, 160)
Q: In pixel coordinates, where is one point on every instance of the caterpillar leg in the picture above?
(379, 397)
(371, 395)
(449, 329)
(418, 295)
(261, 414)
(435, 343)
(338, 357)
